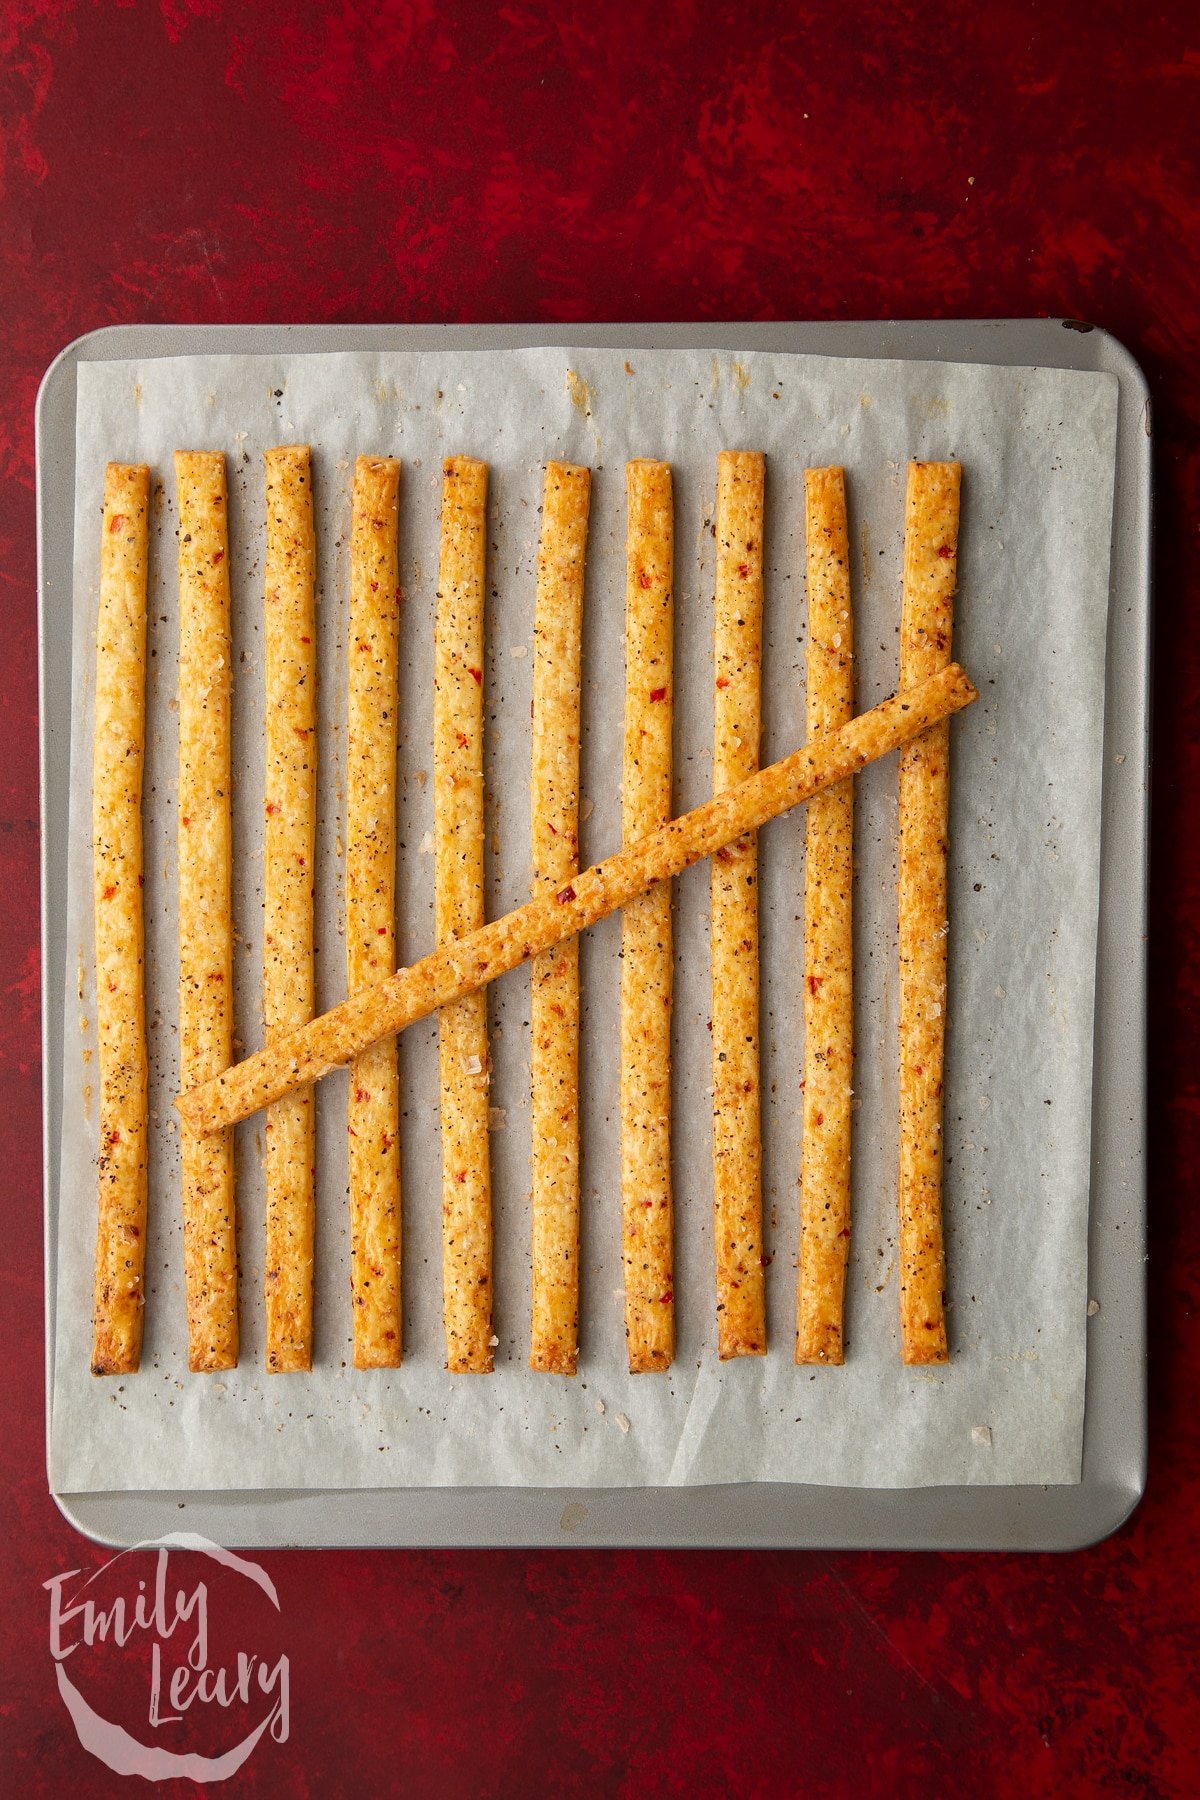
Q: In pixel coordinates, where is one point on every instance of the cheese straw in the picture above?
(470, 962)
(120, 740)
(554, 978)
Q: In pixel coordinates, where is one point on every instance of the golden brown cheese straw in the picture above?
(462, 967)
(118, 755)
(374, 1102)
(828, 938)
(554, 977)
(737, 1140)
(291, 811)
(205, 904)
(646, 942)
(930, 565)
(458, 851)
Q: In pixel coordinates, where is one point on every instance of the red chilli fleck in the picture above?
(476, 675)
(722, 681)
(564, 895)
(814, 982)
(218, 556)
(658, 693)
(116, 523)
(945, 550)
(743, 570)
(110, 890)
(643, 579)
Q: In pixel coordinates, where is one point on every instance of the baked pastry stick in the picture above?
(291, 810)
(646, 943)
(554, 976)
(458, 856)
(930, 565)
(205, 904)
(828, 937)
(462, 966)
(118, 754)
(374, 1100)
(737, 1139)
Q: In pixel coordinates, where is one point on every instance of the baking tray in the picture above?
(754, 1514)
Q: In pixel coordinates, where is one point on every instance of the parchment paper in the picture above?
(1038, 452)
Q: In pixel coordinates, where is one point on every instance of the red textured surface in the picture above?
(196, 160)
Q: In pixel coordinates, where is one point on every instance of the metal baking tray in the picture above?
(756, 1514)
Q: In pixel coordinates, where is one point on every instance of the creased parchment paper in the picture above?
(1038, 453)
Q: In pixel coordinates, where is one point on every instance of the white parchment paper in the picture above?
(1038, 453)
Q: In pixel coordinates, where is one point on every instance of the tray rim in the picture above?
(747, 1515)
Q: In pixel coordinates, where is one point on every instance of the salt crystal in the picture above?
(1093, 1308)
(425, 847)
(585, 809)
(981, 1434)
(622, 1421)
(473, 1066)
(518, 649)
(497, 1118)
(599, 1406)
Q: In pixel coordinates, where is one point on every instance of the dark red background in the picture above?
(196, 160)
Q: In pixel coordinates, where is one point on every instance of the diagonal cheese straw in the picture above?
(460, 967)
